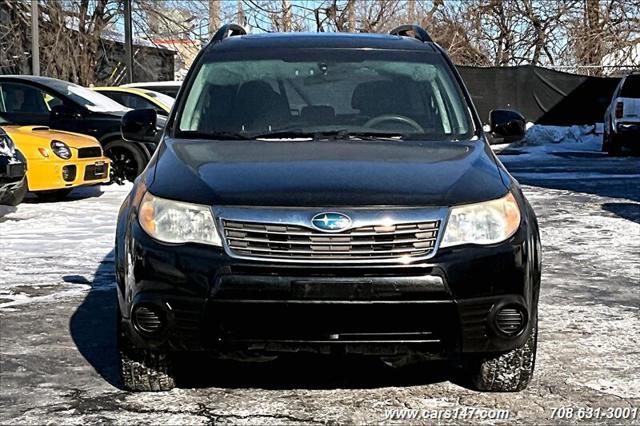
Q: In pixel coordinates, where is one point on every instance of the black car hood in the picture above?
(327, 173)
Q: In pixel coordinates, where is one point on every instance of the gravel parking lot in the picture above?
(57, 311)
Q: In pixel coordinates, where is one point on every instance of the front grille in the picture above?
(276, 241)
(95, 171)
(89, 152)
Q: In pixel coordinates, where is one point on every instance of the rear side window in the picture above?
(631, 87)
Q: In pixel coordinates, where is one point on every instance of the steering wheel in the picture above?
(372, 123)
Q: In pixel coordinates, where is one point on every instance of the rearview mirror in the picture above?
(507, 124)
(139, 125)
(64, 112)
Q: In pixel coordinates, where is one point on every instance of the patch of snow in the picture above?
(541, 142)
(578, 135)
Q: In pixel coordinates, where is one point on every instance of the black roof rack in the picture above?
(228, 30)
(420, 33)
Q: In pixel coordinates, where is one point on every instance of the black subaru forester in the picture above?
(332, 193)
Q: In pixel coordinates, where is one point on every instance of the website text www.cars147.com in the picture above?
(462, 413)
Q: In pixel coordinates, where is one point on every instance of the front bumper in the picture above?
(209, 301)
(49, 173)
(11, 175)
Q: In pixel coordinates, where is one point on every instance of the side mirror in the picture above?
(139, 125)
(507, 124)
(64, 112)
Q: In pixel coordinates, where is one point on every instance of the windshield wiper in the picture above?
(369, 135)
(340, 134)
(284, 134)
(214, 135)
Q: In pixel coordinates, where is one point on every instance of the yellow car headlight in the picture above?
(61, 149)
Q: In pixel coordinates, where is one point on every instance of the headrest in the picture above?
(318, 113)
(381, 96)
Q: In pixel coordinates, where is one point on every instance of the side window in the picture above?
(52, 101)
(116, 96)
(23, 99)
(136, 102)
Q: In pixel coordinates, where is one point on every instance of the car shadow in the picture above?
(79, 193)
(93, 324)
(629, 211)
(93, 330)
(306, 371)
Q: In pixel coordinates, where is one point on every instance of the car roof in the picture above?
(30, 78)
(153, 84)
(322, 40)
(136, 90)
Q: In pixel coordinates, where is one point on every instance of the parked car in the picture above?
(622, 118)
(29, 100)
(58, 161)
(169, 88)
(327, 193)
(138, 98)
(13, 167)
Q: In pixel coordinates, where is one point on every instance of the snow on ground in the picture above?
(56, 247)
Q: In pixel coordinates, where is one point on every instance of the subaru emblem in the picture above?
(331, 222)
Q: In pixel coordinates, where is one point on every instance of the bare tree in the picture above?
(214, 16)
(562, 33)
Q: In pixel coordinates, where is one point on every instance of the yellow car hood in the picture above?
(41, 136)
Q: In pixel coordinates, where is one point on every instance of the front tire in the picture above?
(143, 370)
(127, 161)
(506, 372)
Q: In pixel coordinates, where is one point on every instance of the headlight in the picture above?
(6, 145)
(61, 149)
(489, 222)
(177, 222)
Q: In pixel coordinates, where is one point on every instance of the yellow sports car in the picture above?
(58, 161)
(138, 98)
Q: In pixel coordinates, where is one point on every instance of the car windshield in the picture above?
(89, 99)
(4, 121)
(307, 93)
(166, 100)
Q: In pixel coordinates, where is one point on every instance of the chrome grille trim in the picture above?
(403, 235)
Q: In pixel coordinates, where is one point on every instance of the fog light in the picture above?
(510, 320)
(147, 320)
(69, 173)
